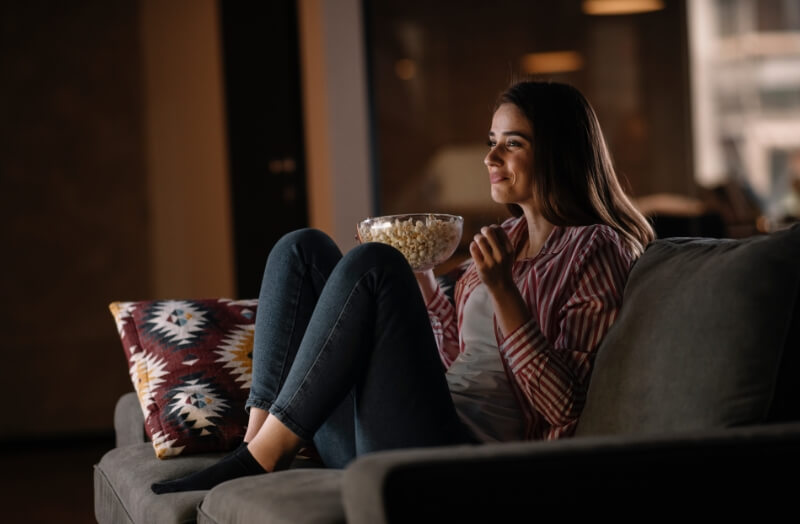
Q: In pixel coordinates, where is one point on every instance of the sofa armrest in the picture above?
(129, 421)
(495, 482)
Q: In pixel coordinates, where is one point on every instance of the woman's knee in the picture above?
(303, 237)
(375, 255)
(304, 241)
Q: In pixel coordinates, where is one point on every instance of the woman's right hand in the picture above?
(493, 254)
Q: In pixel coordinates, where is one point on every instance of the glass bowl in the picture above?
(425, 239)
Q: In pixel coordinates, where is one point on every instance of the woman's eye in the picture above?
(490, 143)
(512, 143)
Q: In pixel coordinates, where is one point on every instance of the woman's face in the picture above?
(510, 157)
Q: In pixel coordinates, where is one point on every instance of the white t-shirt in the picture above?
(478, 382)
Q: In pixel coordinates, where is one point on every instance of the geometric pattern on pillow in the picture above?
(190, 363)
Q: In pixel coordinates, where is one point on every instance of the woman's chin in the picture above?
(499, 196)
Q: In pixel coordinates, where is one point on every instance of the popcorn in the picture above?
(425, 240)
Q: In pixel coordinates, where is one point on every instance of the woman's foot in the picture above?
(240, 463)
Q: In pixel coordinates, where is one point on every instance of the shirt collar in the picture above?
(556, 240)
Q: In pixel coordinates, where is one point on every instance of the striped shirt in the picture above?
(573, 288)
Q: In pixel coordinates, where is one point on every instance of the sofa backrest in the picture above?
(707, 337)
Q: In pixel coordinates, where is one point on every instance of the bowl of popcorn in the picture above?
(425, 239)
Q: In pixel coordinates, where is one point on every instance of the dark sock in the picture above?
(240, 463)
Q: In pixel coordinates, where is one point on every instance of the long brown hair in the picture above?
(574, 178)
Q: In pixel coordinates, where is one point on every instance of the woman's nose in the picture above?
(491, 158)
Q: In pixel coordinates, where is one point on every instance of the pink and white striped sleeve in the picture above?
(554, 376)
(443, 319)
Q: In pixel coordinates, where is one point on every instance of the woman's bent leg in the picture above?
(294, 276)
(369, 358)
(296, 271)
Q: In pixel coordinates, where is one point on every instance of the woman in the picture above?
(349, 350)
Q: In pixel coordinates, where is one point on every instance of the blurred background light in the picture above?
(620, 7)
(405, 69)
(552, 62)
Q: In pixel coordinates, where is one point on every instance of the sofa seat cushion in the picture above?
(700, 338)
(122, 481)
(299, 496)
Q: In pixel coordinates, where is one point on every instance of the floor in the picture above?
(50, 480)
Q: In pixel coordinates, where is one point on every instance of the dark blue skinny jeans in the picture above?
(344, 354)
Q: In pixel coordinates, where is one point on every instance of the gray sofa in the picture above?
(694, 402)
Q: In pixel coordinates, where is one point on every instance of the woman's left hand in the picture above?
(493, 254)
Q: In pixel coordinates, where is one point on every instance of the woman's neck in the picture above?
(538, 231)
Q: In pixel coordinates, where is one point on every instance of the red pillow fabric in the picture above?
(190, 363)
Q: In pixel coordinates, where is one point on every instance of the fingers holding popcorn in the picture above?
(493, 255)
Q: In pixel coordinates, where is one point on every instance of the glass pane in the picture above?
(437, 68)
(746, 91)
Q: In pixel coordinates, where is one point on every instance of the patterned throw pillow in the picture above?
(190, 362)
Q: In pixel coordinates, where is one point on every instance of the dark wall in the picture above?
(73, 210)
(265, 132)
